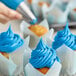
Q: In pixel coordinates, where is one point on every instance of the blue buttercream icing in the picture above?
(43, 56)
(65, 37)
(9, 41)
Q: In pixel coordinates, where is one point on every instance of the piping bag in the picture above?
(22, 8)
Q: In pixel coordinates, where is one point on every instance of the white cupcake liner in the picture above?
(7, 67)
(53, 71)
(27, 53)
(54, 14)
(68, 60)
(17, 55)
(33, 38)
(72, 15)
(37, 10)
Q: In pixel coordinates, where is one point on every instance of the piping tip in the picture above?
(34, 21)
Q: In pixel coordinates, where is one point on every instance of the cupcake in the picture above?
(42, 3)
(10, 43)
(7, 45)
(72, 14)
(29, 1)
(65, 45)
(54, 14)
(7, 66)
(6, 55)
(28, 50)
(37, 5)
(63, 37)
(43, 61)
(36, 32)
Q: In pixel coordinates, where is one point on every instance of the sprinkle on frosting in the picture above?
(43, 56)
(9, 41)
(65, 37)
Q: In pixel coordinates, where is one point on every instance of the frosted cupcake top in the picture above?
(43, 56)
(65, 37)
(9, 41)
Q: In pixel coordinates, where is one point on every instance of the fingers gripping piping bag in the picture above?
(43, 62)
(65, 45)
(22, 8)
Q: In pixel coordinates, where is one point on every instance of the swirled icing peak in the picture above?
(43, 56)
(65, 37)
(9, 41)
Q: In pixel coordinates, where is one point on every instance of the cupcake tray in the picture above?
(62, 25)
(55, 25)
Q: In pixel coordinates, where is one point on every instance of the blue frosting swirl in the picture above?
(43, 56)
(65, 37)
(10, 41)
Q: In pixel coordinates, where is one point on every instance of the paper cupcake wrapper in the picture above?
(72, 15)
(48, 38)
(68, 60)
(27, 56)
(27, 2)
(7, 67)
(17, 56)
(36, 8)
(33, 38)
(53, 71)
(54, 14)
(27, 53)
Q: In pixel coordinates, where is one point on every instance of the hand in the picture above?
(7, 14)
